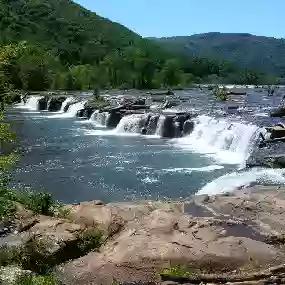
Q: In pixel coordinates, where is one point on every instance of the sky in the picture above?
(158, 18)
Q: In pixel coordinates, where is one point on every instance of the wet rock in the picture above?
(43, 103)
(276, 132)
(55, 103)
(188, 127)
(278, 112)
(114, 118)
(168, 128)
(152, 124)
(86, 112)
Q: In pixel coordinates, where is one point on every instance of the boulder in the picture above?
(168, 128)
(152, 124)
(43, 103)
(55, 103)
(278, 112)
(101, 216)
(188, 127)
(114, 118)
(276, 131)
(144, 247)
(86, 112)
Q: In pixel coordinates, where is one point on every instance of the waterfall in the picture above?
(68, 100)
(100, 118)
(31, 103)
(131, 123)
(229, 142)
(71, 112)
(160, 125)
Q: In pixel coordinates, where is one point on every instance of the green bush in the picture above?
(177, 271)
(90, 240)
(36, 280)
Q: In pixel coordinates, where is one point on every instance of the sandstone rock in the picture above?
(91, 215)
(160, 237)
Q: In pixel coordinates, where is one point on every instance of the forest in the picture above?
(59, 45)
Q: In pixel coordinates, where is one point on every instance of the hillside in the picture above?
(260, 53)
(68, 47)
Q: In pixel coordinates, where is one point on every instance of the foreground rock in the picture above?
(149, 242)
(225, 238)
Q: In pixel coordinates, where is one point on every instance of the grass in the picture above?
(37, 202)
(220, 94)
(36, 280)
(177, 271)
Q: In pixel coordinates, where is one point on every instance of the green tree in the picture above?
(171, 73)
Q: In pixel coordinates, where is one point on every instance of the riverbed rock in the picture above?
(168, 127)
(276, 131)
(114, 118)
(43, 103)
(188, 127)
(145, 246)
(278, 112)
(55, 103)
(85, 112)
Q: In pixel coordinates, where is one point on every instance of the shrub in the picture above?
(90, 239)
(177, 271)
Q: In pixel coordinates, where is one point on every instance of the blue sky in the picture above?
(157, 18)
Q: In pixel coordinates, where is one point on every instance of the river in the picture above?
(78, 160)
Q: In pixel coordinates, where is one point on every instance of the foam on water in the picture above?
(228, 142)
(131, 124)
(197, 169)
(100, 119)
(31, 103)
(232, 181)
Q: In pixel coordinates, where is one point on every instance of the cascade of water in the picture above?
(100, 118)
(31, 103)
(229, 142)
(68, 100)
(131, 123)
(72, 111)
(160, 124)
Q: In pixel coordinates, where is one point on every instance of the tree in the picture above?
(171, 73)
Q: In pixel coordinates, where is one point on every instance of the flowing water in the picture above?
(78, 160)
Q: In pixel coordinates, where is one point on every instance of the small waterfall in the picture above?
(229, 142)
(100, 118)
(31, 103)
(72, 110)
(160, 125)
(132, 123)
(68, 100)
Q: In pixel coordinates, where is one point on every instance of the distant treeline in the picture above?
(60, 45)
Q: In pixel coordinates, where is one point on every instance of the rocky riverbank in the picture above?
(236, 238)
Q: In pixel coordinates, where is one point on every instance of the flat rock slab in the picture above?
(143, 247)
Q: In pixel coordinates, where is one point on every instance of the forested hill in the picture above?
(68, 47)
(261, 53)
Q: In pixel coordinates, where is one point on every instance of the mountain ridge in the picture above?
(249, 51)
